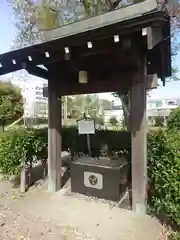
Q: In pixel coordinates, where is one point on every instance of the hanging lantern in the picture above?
(83, 77)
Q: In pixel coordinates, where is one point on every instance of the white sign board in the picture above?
(86, 127)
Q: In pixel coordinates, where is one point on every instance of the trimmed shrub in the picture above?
(113, 121)
(29, 145)
(173, 121)
(21, 146)
(115, 140)
(159, 121)
(164, 174)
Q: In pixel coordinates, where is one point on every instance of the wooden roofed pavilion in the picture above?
(123, 50)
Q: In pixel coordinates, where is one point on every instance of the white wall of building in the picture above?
(35, 104)
(155, 107)
(161, 107)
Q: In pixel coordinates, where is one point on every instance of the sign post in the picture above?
(89, 145)
(87, 127)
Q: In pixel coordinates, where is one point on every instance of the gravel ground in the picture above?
(14, 226)
(38, 215)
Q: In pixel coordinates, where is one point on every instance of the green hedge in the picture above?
(163, 158)
(21, 146)
(173, 121)
(116, 140)
(31, 145)
(164, 174)
(174, 236)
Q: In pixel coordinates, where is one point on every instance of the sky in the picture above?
(8, 32)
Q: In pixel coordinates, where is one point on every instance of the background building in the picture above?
(161, 108)
(155, 108)
(35, 104)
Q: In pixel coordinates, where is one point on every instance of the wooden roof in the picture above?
(118, 16)
(105, 55)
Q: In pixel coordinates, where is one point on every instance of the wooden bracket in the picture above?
(154, 36)
(151, 81)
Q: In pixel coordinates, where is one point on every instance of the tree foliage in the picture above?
(173, 121)
(113, 121)
(31, 16)
(19, 147)
(106, 104)
(11, 103)
(88, 104)
(125, 100)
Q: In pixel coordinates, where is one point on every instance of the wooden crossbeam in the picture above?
(116, 82)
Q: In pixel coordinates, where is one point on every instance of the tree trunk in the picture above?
(126, 118)
(126, 109)
(3, 128)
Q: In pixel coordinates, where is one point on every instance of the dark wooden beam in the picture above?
(101, 64)
(54, 139)
(101, 48)
(31, 67)
(9, 67)
(38, 71)
(114, 83)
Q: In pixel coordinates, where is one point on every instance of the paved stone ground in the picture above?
(66, 216)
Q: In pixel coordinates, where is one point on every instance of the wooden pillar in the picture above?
(54, 139)
(139, 143)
